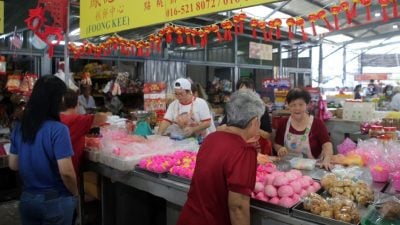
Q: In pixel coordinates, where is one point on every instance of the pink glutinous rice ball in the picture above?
(280, 181)
(258, 187)
(296, 186)
(270, 179)
(296, 198)
(304, 183)
(316, 186)
(303, 193)
(286, 202)
(296, 172)
(270, 191)
(274, 200)
(285, 191)
(290, 176)
(309, 179)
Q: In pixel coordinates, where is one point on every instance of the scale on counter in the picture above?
(142, 125)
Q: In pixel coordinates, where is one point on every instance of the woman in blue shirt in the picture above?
(41, 151)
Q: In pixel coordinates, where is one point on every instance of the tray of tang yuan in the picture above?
(280, 191)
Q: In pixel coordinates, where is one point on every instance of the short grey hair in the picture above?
(243, 106)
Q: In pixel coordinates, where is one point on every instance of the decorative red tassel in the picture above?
(194, 33)
(395, 10)
(168, 33)
(277, 25)
(271, 29)
(290, 22)
(312, 18)
(262, 25)
(254, 24)
(188, 32)
(242, 18)
(300, 23)
(354, 8)
(158, 44)
(236, 21)
(227, 26)
(367, 5)
(322, 16)
(335, 10)
(346, 8)
(384, 4)
(215, 29)
(51, 51)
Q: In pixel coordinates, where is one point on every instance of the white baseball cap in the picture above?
(183, 84)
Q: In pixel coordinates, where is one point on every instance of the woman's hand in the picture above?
(282, 152)
(326, 164)
(262, 159)
(188, 131)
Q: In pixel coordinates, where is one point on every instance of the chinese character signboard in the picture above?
(99, 17)
(1, 17)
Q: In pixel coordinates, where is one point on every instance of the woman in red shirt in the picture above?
(225, 171)
(302, 135)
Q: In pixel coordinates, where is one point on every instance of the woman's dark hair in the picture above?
(70, 99)
(244, 81)
(298, 93)
(357, 88)
(44, 104)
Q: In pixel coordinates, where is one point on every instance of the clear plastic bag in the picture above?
(302, 163)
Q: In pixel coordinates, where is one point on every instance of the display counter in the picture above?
(173, 192)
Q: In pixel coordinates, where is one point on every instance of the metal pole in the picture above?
(66, 53)
(321, 61)
(344, 77)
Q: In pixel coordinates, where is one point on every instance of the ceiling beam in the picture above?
(276, 9)
(373, 37)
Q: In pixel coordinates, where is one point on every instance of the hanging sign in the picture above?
(99, 17)
(1, 17)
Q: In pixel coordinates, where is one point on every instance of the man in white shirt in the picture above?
(190, 113)
(85, 100)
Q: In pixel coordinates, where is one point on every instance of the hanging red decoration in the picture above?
(236, 22)
(277, 25)
(158, 43)
(207, 31)
(188, 33)
(262, 25)
(395, 10)
(152, 38)
(254, 24)
(354, 9)
(291, 22)
(346, 8)
(179, 32)
(36, 18)
(133, 44)
(146, 45)
(384, 4)
(139, 48)
(242, 18)
(313, 18)
(271, 28)
(300, 23)
(200, 32)
(335, 10)
(322, 15)
(194, 34)
(215, 29)
(227, 26)
(168, 33)
(367, 5)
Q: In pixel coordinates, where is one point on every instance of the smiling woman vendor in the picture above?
(302, 135)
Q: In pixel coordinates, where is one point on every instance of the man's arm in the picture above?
(68, 175)
(239, 208)
(163, 127)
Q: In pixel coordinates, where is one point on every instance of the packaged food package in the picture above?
(384, 211)
(302, 163)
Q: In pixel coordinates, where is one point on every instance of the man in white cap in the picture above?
(188, 112)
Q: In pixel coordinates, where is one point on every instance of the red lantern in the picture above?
(188, 33)
(262, 25)
(236, 21)
(215, 29)
(158, 43)
(367, 5)
(335, 10)
(200, 32)
(207, 31)
(313, 18)
(179, 31)
(354, 9)
(146, 45)
(168, 33)
(277, 25)
(194, 34)
(300, 23)
(242, 18)
(395, 11)
(152, 38)
(133, 44)
(346, 8)
(254, 24)
(271, 28)
(384, 4)
(322, 15)
(227, 26)
(290, 22)
(139, 48)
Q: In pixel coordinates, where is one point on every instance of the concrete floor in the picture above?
(9, 213)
